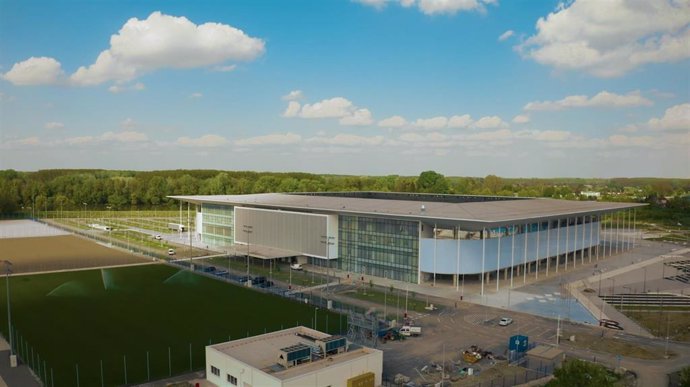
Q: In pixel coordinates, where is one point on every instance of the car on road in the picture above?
(171, 251)
(243, 279)
(296, 266)
(157, 237)
(505, 321)
(209, 269)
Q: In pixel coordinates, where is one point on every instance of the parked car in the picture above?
(243, 279)
(258, 280)
(210, 269)
(157, 237)
(296, 266)
(505, 321)
(171, 252)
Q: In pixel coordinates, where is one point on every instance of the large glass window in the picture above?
(217, 224)
(380, 247)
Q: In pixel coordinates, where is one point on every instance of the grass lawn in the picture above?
(118, 316)
(659, 323)
(396, 297)
(615, 346)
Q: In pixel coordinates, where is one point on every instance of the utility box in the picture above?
(13, 361)
(518, 343)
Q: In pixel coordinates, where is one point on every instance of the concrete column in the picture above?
(548, 247)
(575, 244)
(634, 227)
(434, 255)
(536, 262)
(512, 258)
(591, 228)
(483, 257)
(558, 245)
(498, 259)
(457, 239)
(618, 226)
(524, 259)
(567, 239)
(582, 247)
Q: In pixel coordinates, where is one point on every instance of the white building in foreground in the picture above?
(297, 357)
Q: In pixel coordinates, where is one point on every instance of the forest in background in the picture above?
(68, 189)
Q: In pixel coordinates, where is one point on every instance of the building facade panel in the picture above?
(217, 224)
(380, 247)
(441, 255)
(294, 231)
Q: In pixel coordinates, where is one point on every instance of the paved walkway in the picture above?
(19, 376)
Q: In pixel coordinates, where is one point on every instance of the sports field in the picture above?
(35, 254)
(79, 323)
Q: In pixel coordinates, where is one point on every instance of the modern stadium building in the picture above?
(417, 237)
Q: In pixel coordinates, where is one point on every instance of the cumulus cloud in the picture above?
(128, 123)
(631, 141)
(490, 122)
(35, 71)
(292, 109)
(270, 139)
(126, 136)
(392, 122)
(337, 107)
(328, 108)
(611, 38)
(433, 7)
(504, 36)
(293, 95)
(675, 117)
(431, 123)
(451, 7)
(347, 140)
(602, 99)
(53, 125)
(521, 119)
(463, 121)
(359, 117)
(196, 95)
(205, 141)
(225, 69)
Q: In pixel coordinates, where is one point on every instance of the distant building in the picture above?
(295, 357)
(591, 194)
(413, 237)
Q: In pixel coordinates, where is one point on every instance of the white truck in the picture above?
(408, 330)
(176, 227)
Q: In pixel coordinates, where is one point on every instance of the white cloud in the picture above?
(463, 121)
(431, 123)
(205, 141)
(602, 99)
(35, 71)
(675, 117)
(551, 135)
(521, 119)
(225, 69)
(505, 35)
(451, 7)
(611, 38)
(631, 141)
(392, 122)
(196, 95)
(293, 95)
(490, 122)
(270, 139)
(163, 41)
(359, 117)
(54, 125)
(121, 87)
(328, 108)
(125, 136)
(20, 142)
(128, 123)
(292, 109)
(433, 139)
(347, 140)
(378, 4)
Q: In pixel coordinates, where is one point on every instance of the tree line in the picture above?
(68, 189)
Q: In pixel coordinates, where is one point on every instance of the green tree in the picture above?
(493, 183)
(433, 182)
(685, 377)
(579, 373)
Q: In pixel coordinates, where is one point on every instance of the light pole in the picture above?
(248, 230)
(623, 295)
(315, 310)
(613, 285)
(600, 273)
(328, 241)
(84, 213)
(110, 220)
(8, 271)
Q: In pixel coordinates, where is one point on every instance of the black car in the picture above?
(243, 279)
(258, 280)
(209, 269)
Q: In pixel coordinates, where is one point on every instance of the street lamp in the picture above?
(623, 295)
(248, 230)
(613, 285)
(8, 271)
(110, 220)
(328, 241)
(84, 213)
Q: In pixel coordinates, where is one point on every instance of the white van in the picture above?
(171, 252)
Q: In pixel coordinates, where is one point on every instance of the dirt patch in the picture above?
(59, 253)
(615, 346)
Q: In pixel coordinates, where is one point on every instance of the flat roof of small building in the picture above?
(262, 352)
(479, 211)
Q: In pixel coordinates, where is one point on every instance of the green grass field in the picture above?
(116, 316)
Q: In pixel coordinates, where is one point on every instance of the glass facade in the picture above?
(380, 247)
(217, 223)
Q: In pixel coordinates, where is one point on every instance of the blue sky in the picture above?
(464, 87)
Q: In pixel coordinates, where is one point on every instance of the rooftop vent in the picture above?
(293, 355)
